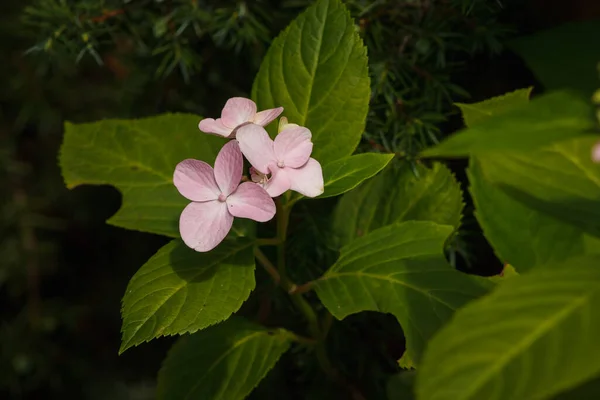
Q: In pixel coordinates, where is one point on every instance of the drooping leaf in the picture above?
(182, 291)
(400, 269)
(564, 57)
(534, 336)
(522, 233)
(138, 157)
(544, 120)
(317, 70)
(479, 112)
(223, 362)
(347, 173)
(395, 195)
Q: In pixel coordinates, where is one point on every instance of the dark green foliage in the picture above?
(86, 60)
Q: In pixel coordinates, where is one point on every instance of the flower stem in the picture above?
(267, 265)
(267, 242)
(283, 217)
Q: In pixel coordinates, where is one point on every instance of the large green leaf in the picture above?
(479, 112)
(347, 173)
(534, 336)
(532, 207)
(560, 180)
(550, 194)
(400, 269)
(398, 194)
(181, 291)
(546, 119)
(223, 362)
(317, 70)
(564, 57)
(139, 158)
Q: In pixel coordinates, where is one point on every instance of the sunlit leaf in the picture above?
(534, 336)
(520, 126)
(138, 157)
(347, 173)
(181, 291)
(400, 269)
(223, 362)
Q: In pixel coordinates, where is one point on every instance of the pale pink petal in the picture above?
(278, 182)
(195, 180)
(238, 110)
(307, 180)
(257, 146)
(229, 166)
(209, 125)
(293, 147)
(265, 117)
(596, 153)
(204, 225)
(251, 201)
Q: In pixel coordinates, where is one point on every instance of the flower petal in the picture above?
(279, 182)
(238, 110)
(204, 225)
(251, 201)
(209, 125)
(195, 180)
(596, 153)
(257, 146)
(229, 166)
(293, 146)
(307, 180)
(265, 117)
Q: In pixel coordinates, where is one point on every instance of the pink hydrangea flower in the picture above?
(287, 159)
(238, 111)
(596, 153)
(217, 197)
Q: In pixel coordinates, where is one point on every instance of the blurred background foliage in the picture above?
(63, 270)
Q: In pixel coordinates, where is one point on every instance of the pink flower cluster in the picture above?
(277, 166)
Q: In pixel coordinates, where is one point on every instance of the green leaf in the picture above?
(347, 173)
(534, 336)
(138, 157)
(223, 362)
(405, 362)
(395, 195)
(181, 291)
(546, 119)
(479, 112)
(560, 180)
(554, 204)
(317, 70)
(400, 269)
(564, 57)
